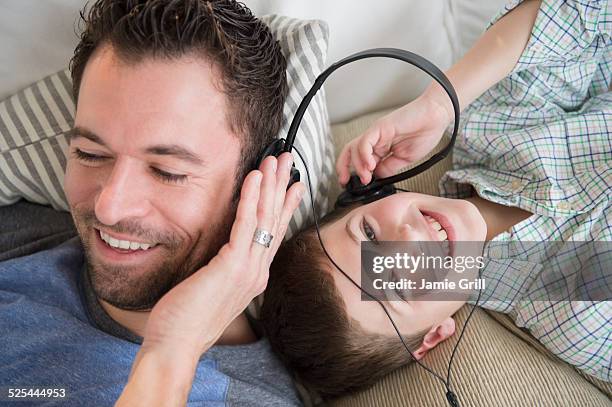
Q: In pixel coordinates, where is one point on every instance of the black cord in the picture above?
(450, 395)
(467, 320)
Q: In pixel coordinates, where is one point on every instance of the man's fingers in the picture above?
(265, 207)
(246, 213)
(283, 172)
(291, 203)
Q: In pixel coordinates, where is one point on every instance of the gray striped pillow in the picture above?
(34, 125)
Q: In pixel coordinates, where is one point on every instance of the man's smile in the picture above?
(115, 249)
(125, 242)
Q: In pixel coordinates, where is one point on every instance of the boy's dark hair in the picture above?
(252, 66)
(305, 319)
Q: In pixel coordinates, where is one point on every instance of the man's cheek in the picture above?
(75, 186)
(82, 183)
(191, 211)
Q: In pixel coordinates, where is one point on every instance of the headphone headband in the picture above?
(376, 189)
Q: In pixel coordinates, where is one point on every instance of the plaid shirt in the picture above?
(541, 140)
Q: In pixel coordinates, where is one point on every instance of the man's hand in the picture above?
(396, 140)
(190, 318)
(196, 312)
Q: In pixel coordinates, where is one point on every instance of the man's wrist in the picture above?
(160, 376)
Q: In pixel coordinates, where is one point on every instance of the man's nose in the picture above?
(123, 194)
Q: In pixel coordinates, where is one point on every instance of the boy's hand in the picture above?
(396, 140)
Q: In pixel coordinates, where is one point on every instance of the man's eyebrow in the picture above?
(177, 151)
(347, 227)
(77, 132)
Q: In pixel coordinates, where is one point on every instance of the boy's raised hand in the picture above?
(396, 140)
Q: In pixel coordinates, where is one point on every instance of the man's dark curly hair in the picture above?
(252, 66)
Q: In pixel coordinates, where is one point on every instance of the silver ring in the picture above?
(263, 237)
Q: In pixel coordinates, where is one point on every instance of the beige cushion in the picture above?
(492, 367)
(497, 363)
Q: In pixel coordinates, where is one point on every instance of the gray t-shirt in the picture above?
(56, 334)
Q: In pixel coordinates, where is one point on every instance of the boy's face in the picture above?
(152, 160)
(400, 217)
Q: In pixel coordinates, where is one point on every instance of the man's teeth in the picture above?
(125, 244)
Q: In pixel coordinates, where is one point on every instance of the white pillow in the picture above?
(36, 39)
(34, 123)
(440, 31)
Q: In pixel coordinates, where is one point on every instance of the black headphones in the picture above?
(378, 188)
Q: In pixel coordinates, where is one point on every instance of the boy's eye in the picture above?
(368, 231)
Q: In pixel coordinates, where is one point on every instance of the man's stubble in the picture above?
(135, 290)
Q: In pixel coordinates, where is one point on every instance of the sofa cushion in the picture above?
(492, 367)
(441, 31)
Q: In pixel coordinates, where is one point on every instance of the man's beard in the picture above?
(140, 290)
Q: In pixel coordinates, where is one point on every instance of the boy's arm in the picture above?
(407, 134)
(492, 57)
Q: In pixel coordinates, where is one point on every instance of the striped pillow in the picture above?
(34, 125)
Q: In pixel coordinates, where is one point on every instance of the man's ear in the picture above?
(436, 334)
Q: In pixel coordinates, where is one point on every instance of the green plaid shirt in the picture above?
(541, 140)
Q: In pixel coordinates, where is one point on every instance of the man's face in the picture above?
(152, 162)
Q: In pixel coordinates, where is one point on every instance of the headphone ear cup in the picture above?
(294, 176)
(275, 149)
(350, 195)
(356, 192)
(347, 198)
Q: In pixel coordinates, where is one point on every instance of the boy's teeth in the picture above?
(446, 247)
(440, 232)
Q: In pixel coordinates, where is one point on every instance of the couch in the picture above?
(497, 363)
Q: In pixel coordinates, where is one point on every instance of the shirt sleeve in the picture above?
(563, 31)
(578, 332)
